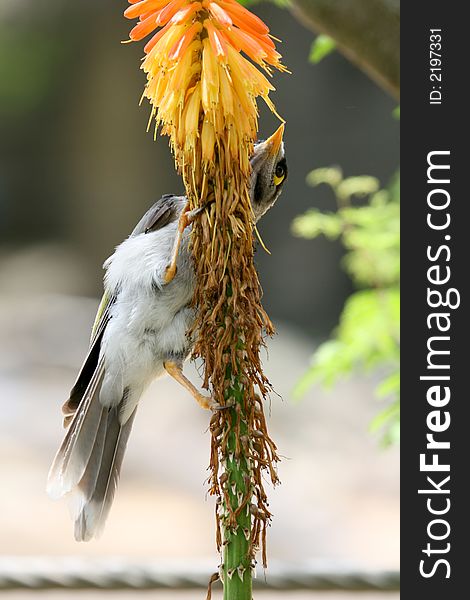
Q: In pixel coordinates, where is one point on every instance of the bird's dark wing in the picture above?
(165, 210)
(91, 362)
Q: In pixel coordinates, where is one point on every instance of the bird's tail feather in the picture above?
(74, 453)
(92, 499)
(87, 466)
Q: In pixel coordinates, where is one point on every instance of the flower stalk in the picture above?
(206, 65)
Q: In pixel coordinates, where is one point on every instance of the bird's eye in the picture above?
(279, 174)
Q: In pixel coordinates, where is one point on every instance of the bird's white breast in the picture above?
(149, 319)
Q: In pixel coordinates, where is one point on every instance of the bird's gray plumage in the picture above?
(141, 323)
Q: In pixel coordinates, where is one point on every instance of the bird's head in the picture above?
(268, 172)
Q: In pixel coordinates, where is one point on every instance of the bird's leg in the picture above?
(186, 218)
(175, 369)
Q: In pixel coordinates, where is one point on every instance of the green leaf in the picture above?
(389, 413)
(379, 199)
(389, 386)
(314, 223)
(388, 421)
(329, 361)
(357, 186)
(367, 335)
(332, 176)
(321, 47)
(392, 435)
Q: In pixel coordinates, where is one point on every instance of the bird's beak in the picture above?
(274, 142)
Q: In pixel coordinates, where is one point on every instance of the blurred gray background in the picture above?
(77, 170)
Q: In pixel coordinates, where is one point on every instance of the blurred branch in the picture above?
(367, 32)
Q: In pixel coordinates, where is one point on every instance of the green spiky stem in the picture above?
(236, 530)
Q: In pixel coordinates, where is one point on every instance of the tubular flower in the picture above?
(196, 49)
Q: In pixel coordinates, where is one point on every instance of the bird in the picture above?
(139, 334)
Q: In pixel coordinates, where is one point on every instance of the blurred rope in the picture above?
(113, 574)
